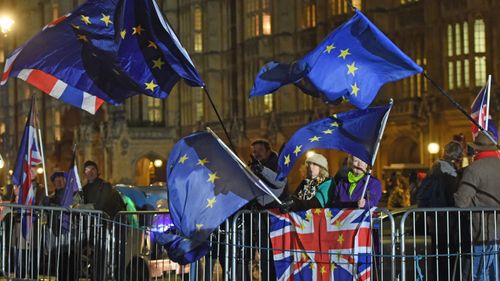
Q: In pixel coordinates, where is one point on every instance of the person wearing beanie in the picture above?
(347, 193)
(314, 190)
(479, 188)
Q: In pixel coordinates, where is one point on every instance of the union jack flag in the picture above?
(479, 110)
(28, 155)
(322, 244)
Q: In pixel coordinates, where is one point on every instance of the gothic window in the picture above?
(257, 18)
(198, 34)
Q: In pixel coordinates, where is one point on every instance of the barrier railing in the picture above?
(71, 244)
(38, 242)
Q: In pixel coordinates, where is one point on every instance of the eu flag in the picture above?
(353, 63)
(205, 186)
(105, 50)
(354, 132)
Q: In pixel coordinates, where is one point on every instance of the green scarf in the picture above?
(353, 181)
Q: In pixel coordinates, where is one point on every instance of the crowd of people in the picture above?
(447, 184)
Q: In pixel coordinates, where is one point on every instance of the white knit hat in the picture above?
(319, 160)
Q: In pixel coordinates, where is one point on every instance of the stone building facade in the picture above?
(229, 40)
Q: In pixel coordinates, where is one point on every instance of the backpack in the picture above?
(432, 193)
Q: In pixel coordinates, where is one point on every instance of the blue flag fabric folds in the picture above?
(352, 63)
(105, 50)
(354, 132)
(205, 186)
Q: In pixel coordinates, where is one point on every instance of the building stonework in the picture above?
(456, 42)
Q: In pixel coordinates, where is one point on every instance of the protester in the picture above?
(263, 153)
(479, 188)
(349, 189)
(400, 195)
(314, 190)
(100, 193)
(56, 193)
(436, 191)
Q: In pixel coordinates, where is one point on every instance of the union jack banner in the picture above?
(322, 244)
(479, 110)
(28, 155)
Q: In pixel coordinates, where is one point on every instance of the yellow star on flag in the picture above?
(351, 68)
(211, 202)
(341, 238)
(123, 33)
(334, 124)
(338, 223)
(202, 162)
(106, 19)
(327, 132)
(82, 38)
(212, 177)
(328, 214)
(152, 45)
(298, 148)
(355, 89)
(344, 53)
(311, 265)
(199, 226)
(333, 267)
(309, 216)
(151, 86)
(158, 63)
(315, 138)
(317, 211)
(75, 26)
(329, 48)
(323, 270)
(137, 30)
(183, 158)
(86, 19)
(287, 159)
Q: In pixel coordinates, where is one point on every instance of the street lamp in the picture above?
(158, 163)
(433, 149)
(5, 24)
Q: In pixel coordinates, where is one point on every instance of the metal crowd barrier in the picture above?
(62, 244)
(41, 242)
(449, 244)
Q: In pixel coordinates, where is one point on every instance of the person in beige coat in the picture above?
(480, 187)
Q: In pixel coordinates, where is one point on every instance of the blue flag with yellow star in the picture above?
(352, 63)
(354, 132)
(206, 185)
(105, 50)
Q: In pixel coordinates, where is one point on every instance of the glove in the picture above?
(256, 167)
(287, 204)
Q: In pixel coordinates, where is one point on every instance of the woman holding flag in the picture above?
(348, 193)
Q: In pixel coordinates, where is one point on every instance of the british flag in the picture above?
(322, 244)
(479, 110)
(28, 155)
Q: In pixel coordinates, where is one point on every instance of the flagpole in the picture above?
(43, 163)
(377, 145)
(39, 139)
(488, 103)
(233, 148)
(260, 184)
(459, 107)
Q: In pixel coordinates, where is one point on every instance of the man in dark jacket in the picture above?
(100, 193)
(103, 197)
